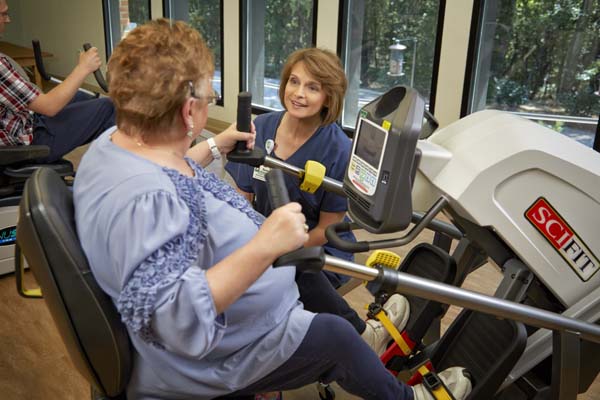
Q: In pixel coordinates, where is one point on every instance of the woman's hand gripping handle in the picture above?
(311, 258)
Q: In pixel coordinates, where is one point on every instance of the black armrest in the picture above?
(16, 154)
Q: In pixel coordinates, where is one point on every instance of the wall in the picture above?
(62, 26)
(14, 31)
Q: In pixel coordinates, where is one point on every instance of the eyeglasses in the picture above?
(211, 99)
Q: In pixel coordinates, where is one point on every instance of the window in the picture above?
(271, 30)
(121, 16)
(539, 59)
(389, 43)
(207, 17)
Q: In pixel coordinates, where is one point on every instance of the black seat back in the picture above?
(18, 154)
(88, 321)
(17, 163)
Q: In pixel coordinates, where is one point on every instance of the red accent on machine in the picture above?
(562, 237)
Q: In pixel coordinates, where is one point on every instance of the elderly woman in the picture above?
(186, 259)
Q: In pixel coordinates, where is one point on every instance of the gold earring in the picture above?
(190, 133)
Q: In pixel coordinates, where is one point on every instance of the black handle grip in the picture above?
(39, 61)
(244, 117)
(309, 259)
(305, 259)
(332, 235)
(278, 193)
(97, 73)
(241, 154)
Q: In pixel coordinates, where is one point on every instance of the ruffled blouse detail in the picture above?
(168, 263)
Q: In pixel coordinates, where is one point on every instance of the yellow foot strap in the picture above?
(394, 333)
(434, 384)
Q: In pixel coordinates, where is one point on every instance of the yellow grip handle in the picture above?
(314, 173)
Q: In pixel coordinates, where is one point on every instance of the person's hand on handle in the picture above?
(89, 61)
(227, 139)
(55, 100)
(283, 231)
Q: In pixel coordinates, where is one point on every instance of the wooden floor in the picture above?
(34, 363)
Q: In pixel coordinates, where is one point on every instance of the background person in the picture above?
(61, 119)
(186, 259)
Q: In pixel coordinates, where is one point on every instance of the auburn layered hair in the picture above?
(326, 68)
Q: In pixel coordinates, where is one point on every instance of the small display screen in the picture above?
(370, 141)
(8, 236)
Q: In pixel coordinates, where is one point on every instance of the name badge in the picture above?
(260, 172)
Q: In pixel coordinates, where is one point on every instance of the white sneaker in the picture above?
(375, 334)
(455, 379)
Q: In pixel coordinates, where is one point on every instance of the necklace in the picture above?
(140, 144)
(158, 149)
(179, 163)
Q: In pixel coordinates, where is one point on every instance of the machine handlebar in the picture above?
(278, 194)
(305, 258)
(332, 234)
(39, 61)
(244, 114)
(97, 73)
(241, 154)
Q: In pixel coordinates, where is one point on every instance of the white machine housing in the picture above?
(536, 189)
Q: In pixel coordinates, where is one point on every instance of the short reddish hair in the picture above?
(149, 71)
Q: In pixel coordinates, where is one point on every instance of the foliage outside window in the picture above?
(206, 17)
(541, 58)
(376, 33)
(121, 16)
(273, 29)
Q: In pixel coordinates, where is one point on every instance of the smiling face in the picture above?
(304, 95)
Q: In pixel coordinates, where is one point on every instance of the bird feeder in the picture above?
(396, 59)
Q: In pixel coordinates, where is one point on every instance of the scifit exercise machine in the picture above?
(523, 195)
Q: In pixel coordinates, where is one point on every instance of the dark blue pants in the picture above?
(78, 123)
(336, 280)
(318, 295)
(333, 351)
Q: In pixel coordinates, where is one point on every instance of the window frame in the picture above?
(166, 7)
(342, 31)
(243, 72)
(471, 66)
(111, 24)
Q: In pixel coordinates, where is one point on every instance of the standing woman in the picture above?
(312, 89)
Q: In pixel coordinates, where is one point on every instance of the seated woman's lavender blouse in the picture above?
(150, 234)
